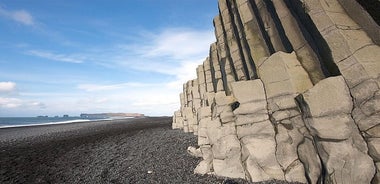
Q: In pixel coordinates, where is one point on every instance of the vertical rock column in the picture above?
(362, 17)
(197, 102)
(187, 110)
(307, 57)
(255, 132)
(177, 117)
(204, 117)
(218, 83)
(258, 132)
(180, 119)
(242, 41)
(281, 89)
(208, 75)
(354, 53)
(204, 120)
(225, 61)
(225, 145)
(177, 120)
(327, 112)
(190, 110)
(269, 25)
(255, 40)
(231, 41)
(202, 85)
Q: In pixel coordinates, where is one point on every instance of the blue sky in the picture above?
(70, 57)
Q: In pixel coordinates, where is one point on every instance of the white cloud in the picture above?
(179, 43)
(20, 16)
(57, 57)
(7, 87)
(10, 103)
(23, 17)
(98, 87)
(174, 51)
(147, 98)
(172, 54)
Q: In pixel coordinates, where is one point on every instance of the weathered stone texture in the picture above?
(290, 91)
(257, 135)
(327, 107)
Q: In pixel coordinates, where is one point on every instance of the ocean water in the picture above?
(34, 121)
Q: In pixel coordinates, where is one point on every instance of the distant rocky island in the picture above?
(111, 115)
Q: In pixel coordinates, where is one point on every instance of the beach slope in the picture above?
(143, 150)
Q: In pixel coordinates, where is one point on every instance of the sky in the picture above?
(70, 57)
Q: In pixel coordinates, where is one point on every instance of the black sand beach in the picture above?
(143, 150)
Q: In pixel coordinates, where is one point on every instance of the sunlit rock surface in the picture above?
(289, 91)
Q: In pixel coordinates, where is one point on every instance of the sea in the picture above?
(6, 122)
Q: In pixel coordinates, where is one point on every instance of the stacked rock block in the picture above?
(289, 91)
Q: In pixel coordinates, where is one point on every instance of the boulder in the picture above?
(248, 91)
(226, 147)
(286, 67)
(260, 159)
(230, 167)
(338, 141)
(329, 97)
(203, 167)
(195, 152)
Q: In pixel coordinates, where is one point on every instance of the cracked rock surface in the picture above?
(290, 91)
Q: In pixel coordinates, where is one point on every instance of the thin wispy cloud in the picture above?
(8, 90)
(97, 87)
(154, 100)
(56, 57)
(173, 51)
(20, 16)
(95, 62)
(10, 103)
(179, 43)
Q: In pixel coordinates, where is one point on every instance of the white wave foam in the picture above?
(51, 123)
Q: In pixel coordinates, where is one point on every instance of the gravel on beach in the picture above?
(143, 150)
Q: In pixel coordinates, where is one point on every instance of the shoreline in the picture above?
(48, 123)
(77, 120)
(31, 132)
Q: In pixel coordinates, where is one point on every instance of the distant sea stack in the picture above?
(289, 91)
(111, 115)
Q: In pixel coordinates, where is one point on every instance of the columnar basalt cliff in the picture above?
(289, 91)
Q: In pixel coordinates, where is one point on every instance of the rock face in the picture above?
(289, 91)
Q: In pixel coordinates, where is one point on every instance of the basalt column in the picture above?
(306, 55)
(357, 58)
(225, 60)
(231, 40)
(290, 91)
(255, 38)
(219, 78)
